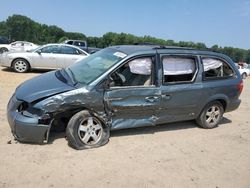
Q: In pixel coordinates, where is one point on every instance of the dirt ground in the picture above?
(172, 155)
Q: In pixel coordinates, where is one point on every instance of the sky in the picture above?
(221, 22)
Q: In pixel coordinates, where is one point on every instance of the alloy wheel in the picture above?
(20, 66)
(213, 115)
(90, 131)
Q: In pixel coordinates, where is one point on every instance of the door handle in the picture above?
(166, 96)
(152, 99)
(115, 99)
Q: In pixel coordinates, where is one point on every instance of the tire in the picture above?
(244, 75)
(2, 50)
(85, 131)
(211, 115)
(20, 65)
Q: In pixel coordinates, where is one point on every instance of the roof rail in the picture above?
(146, 43)
(175, 47)
(159, 46)
(155, 46)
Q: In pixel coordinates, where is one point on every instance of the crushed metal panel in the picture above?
(132, 106)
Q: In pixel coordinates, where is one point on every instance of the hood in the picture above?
(41, 86)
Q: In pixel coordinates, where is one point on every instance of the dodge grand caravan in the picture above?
(125, 87)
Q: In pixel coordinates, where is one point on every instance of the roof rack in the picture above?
(159, 46)
(146, 44)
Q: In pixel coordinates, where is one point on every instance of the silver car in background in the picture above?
(18, 46)
(50, 56)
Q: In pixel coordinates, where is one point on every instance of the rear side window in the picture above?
(69, 50)
(216, 69)
(178, 69)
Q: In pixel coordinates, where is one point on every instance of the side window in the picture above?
(178, 69)
(69, 50)
(16, 44)
(70, 42)
(51, 49)
(216, 69)
(78, 43)
(137, 72)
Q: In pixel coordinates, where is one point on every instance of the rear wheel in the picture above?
(86, 131)
(20, 65)
(211, 115)
(2, 50)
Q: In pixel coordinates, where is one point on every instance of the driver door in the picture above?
(133, 97)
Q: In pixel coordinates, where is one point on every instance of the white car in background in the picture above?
(50, 56)
(244, 72)
(18, 46)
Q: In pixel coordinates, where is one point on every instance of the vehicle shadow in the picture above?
(54, 135)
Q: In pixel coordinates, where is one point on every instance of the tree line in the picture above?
(18, 27)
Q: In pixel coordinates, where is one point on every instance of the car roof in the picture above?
(19, 41)
(62, 44)
(130, 49)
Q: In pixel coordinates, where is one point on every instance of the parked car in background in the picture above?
(125, 87)
(18, 46)
(50, 56)
(244, 72)
(83, 45)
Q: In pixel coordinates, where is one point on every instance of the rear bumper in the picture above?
(233, 105)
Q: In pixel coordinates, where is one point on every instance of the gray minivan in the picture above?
(125, 87)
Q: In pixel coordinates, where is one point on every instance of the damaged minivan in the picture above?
(125, 87)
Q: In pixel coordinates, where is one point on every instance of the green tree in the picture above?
(62, 39)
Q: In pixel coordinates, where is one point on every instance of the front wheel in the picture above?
(211, 115)
(20, 65)
(86, 131)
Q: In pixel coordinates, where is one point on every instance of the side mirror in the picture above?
(39, 51)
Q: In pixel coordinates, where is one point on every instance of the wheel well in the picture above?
(20, 59)
(223, 102)
(61, 120)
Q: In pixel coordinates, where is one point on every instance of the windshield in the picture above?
(93, 66)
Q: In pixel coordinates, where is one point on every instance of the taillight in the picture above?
(240, 86)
